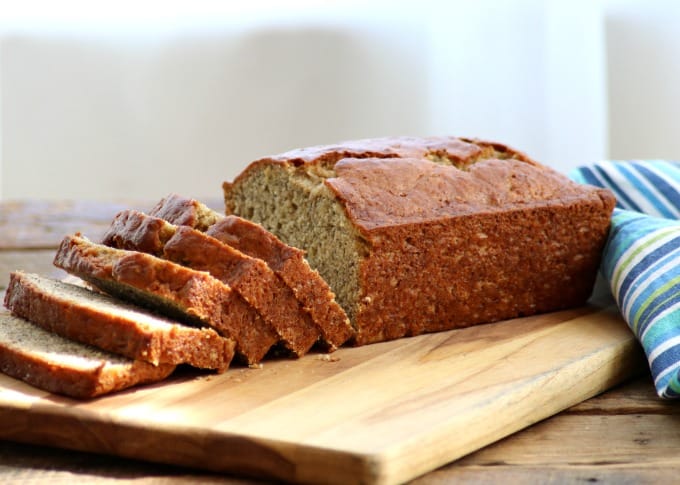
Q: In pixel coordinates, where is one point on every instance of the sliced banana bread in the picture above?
(96, 319)
(184, 211)
(287, 262)
(180, 293)
(250, 277)
(425, 234)
(56, 364)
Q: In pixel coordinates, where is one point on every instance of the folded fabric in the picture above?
(641, 260)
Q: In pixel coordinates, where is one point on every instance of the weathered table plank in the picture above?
(31, 261)
(552, 475)
(579, 440)
(42, 224)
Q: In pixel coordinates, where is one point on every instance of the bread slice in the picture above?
(180, 293)
(250, 277)
(184, 211)
(56, 364)
(421, 235)
(287, 262)
(96, 319)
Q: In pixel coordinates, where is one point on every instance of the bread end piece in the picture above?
(55, 364)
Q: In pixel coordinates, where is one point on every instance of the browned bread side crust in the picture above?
(180, 293)
(56, 364)
(286, 261)
(96, 319)
(250, 277)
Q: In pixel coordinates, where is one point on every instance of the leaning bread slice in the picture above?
(287, 262)
(56, 364)
(290, 264)
(184, 211)
(180, 293)
(250, 277)
(96, 319)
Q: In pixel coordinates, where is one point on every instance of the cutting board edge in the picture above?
(274, 459)
(407, 470)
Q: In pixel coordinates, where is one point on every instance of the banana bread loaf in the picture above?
(180, 293)
(424, 234)
(56, 364)
(96, 319)
(250, 277)
(286, 261)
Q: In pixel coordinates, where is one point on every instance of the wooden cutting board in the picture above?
(382, 413)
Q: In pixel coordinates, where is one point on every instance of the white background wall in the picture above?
(643, 46)
(146, 98)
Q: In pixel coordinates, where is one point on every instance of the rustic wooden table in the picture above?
(626, 435)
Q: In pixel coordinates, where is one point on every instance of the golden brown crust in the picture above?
(460, 149)
(191, 296)
(378, 193)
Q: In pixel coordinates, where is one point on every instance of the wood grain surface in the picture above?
(381, 413)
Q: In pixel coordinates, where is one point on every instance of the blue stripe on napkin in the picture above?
(641, 260)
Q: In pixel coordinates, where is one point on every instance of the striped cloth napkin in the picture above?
(641, 260)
